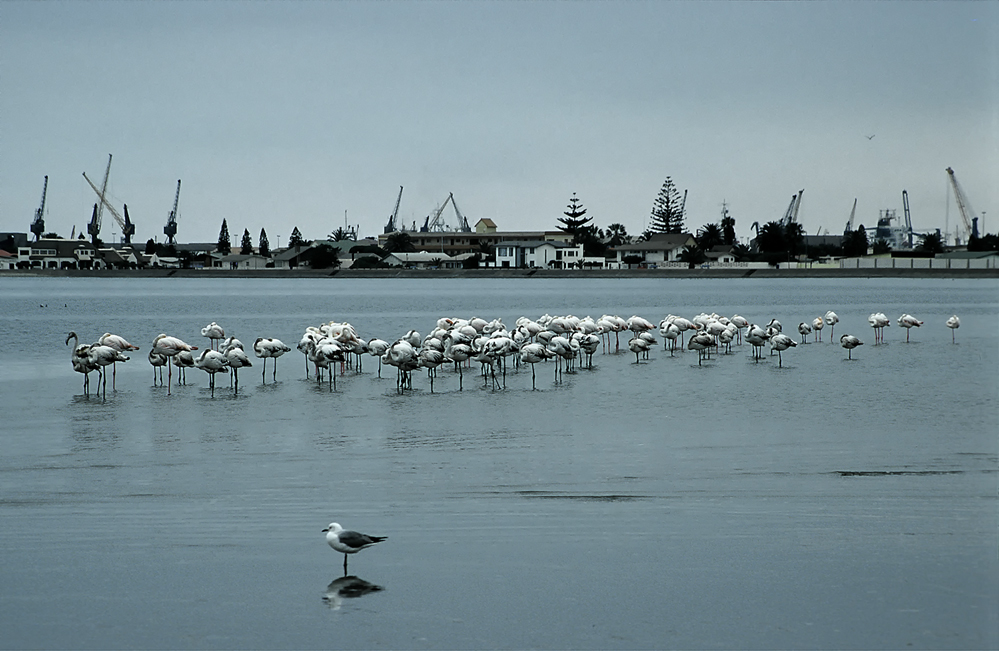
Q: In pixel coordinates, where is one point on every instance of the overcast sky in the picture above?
(285, 114)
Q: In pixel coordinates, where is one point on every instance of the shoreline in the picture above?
(504, 273)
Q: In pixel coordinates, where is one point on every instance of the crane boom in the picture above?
(968, 215)
(38, 225)
(908, 218)
(390, 227)
(462, 222)
(127, 227)
(170, 230)
(853, 213)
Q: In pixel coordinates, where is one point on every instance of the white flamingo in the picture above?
(817, 324)
(457, 352)
(850, 342)
(908, 321)
(702, 343)
(104, 356)
(804, 330)
(430, 359)
(756, 336)
(740, 322)
(831, 320)
(953, 323)
(236, 358)
(638, 346)
(214, 333)
(183, 361)
(781, 342)
(377, 348)
(118, 343)
(265, 348)
(80, 358)
(879, 322)
(168, 347)
(158, 361)
(212, 362)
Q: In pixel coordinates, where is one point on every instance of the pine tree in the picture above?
(224, 246)
(246, 245)
(264, 247)
(668, 210)
(574, 223)
(296, 238)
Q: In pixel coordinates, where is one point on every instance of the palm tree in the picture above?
(692, 255)
(617, 235)
(931, 243)
(770, 238)
(399, 242)
(709, 236)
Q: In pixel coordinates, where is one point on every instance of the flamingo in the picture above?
(702, 343)
(638, 346)
(158, 361)
(236, 358)
(532, 353)
(953, 323)
(80, 358)
(850, 342)
(212, 362)
(781, 342)
(402, 355)
(831, 320)
(670, 332)
(457, 352)
(740, 322)
(183, 361)
(804, 330)
(170, 346)
(102, 357)
(214, 332)
(817, 324)
(430, 359)
(908, 321)
(879, 322)
(119, 344)
(756, 336)
(377, 348)
(272, 348)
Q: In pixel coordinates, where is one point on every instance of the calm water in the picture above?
(826, 504)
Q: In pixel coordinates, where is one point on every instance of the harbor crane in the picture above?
(791, 214)
(38, 225)
(437, 225)
(968, 215)
(390, 227)
(853, 213)
(124, 223)
(170, 230)
(908, 219)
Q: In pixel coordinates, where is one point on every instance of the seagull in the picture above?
(871, 137)
(348, 542)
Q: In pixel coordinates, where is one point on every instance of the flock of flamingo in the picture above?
(566, 340)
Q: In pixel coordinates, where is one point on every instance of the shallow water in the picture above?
(826, 504)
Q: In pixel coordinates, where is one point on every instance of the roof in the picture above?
(421, 256)
(659, 242)
(485, 221)
(535, 243)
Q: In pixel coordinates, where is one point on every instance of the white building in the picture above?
(538, 254)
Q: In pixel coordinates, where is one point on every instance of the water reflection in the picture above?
(347, 587)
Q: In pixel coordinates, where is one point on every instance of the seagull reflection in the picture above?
(347, 587)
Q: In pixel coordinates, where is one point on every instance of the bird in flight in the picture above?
(871, 137)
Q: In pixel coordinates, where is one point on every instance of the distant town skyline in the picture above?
(312, 115)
